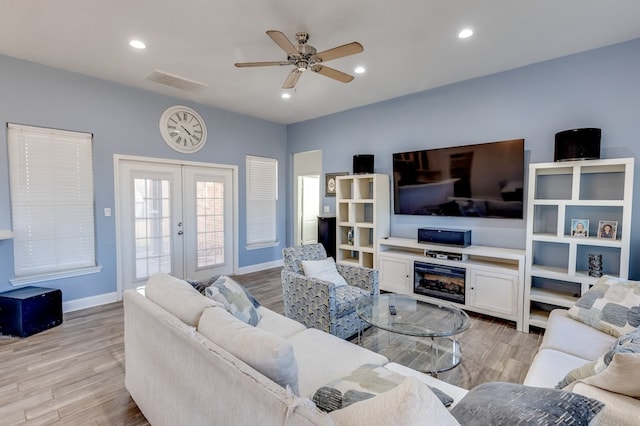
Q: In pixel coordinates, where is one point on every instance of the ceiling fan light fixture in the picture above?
(305, 57)
(465, 33)
(359, 70)
(285, 95)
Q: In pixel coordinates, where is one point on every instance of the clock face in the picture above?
(183, 129)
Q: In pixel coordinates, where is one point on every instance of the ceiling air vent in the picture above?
(176, 81)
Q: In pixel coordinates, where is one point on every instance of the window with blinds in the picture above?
(262, 196)
(51, 184)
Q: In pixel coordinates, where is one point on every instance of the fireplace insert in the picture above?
(439, 281)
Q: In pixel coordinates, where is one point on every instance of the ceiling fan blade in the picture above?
(292, 79)
(340, 51)
(282, 41)
(260, 64)
(332, 73)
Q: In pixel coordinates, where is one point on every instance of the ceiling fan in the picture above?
(305, 57)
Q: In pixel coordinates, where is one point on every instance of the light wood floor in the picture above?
(73, 374)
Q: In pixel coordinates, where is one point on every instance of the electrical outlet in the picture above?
(107, 211)
(327, 209)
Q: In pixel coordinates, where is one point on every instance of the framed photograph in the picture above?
(330, 183)
(579, 228)
(607, 229)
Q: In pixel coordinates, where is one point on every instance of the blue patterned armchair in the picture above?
(320, 304)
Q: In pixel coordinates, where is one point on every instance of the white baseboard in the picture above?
(103, 299)
(260, 267)
(89, 302)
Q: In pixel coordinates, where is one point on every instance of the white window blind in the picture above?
(262, 195)
(51, 183)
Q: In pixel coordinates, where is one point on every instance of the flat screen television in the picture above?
(482, 180)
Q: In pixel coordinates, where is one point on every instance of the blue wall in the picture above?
(599, 88)
(123, 121)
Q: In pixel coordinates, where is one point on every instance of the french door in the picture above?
(174, 218)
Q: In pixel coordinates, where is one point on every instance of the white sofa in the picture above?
(177, 376)
(190, 362)
(568, 344)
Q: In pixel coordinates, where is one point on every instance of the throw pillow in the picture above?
(363, 383)
(177, 297)
(511, 404)
(612, 305)
(271, 355)
(201, 286)
(629, 343)
(324, 270)
(410, 403)
(232, 295)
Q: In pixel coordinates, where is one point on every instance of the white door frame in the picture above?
(117, 159)
(303, 204)
(304, 163)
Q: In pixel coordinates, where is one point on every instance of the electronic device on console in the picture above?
(434, 254)
(453, 237)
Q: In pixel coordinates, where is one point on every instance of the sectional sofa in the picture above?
(573, 353)
(190, 361)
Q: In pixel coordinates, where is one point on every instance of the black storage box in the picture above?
(29, 310)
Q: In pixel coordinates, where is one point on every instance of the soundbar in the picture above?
(452, 237)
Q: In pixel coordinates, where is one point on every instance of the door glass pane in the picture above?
(152, 227)
(209, 223)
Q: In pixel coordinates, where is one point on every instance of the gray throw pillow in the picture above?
(201, 286)
(612, 306)
(497, 403)
(363, 383)
(234, 298)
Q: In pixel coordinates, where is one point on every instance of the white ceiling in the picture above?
(409, 45)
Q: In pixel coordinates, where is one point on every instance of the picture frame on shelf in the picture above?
(579, 227)
(607, 229)
(330, 183)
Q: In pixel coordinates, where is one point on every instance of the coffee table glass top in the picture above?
(412, 317)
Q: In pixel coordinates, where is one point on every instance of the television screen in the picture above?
(483, 180)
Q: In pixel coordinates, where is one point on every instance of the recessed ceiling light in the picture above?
(359, 70)
(137, 44)
(285, 95)
(466, 33)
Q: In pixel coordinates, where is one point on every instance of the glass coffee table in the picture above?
(436, 326)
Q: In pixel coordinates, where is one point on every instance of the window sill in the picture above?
(33, 279)
(262, 245)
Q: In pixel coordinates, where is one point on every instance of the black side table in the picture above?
(327, 234)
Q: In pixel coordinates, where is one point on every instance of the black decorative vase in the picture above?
(595, 265)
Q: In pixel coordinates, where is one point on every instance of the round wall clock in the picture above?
(183, 129)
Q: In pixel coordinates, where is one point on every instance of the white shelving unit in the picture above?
(594, 190)
(362, 216)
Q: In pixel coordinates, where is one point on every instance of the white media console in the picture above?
(493, 277)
